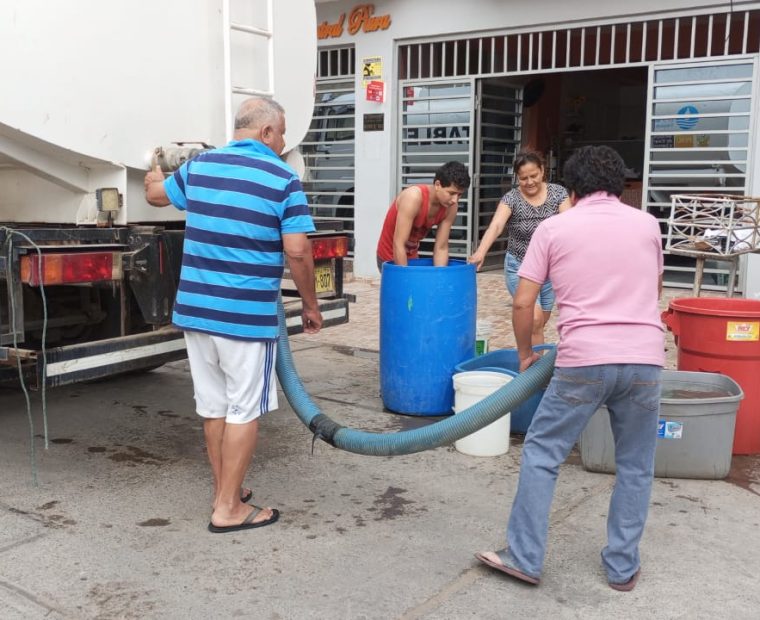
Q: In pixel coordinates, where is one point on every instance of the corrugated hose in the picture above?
(441, 433)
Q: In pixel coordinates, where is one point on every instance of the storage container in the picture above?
(695, 431)
(470, 388)
(723, 335)
(427, 327)
(507, 360)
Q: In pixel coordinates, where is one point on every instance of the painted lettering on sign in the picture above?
(441, 135)
(361, 18)
(326, 30)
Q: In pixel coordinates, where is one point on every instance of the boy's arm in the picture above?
(408, 206)
(441, 248)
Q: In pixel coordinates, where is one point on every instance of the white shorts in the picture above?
(232, 379)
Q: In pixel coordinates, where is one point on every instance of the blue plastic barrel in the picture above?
(427, 327)
(506, 360)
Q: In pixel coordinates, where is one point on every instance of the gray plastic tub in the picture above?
(695, 434)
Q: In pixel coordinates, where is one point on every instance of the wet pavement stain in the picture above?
(61, 440)
(47, 520)
(391, 504)
(369, 354)
(167, 413)
(403, 422)
(689, 498)
(668, 483)
(155, 522)
(136, 456)
(48, 505)
(96, 449)
(745, 472)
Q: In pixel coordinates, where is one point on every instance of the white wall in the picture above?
(416, 19)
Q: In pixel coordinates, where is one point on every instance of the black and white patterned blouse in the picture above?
(525, 217)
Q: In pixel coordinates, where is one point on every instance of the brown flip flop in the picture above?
(247, 524)
(626, 586)
(505, 568)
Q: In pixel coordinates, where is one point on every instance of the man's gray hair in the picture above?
(258, 111)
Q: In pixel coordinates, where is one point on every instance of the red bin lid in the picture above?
(717, 306)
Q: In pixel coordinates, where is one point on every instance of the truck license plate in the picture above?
(323, 279)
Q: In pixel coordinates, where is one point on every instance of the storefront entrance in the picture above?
(681, 118)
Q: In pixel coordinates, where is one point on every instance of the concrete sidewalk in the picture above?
(494, 306)
(117, 526)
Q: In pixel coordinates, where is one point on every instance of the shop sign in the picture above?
(689, 122)
(662, 142)
(376, 91)
(361, 18)
(372, 69)
(684, 141)
(374, 122)
(441, 135)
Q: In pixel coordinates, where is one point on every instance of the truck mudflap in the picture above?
(104, 358)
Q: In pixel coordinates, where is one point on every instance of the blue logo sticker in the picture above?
(687, 123)
(669, 430)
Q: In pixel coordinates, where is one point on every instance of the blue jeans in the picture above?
(511, 267)
(632, 395)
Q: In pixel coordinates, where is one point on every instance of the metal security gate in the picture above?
(499, 132)
(699, 126)
(436, 124)
(328, 148)
(693, 37)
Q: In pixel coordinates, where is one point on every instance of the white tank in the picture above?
(90, 88)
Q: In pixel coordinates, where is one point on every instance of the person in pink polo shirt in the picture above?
(604, 260)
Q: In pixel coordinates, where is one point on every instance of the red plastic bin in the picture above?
(723, 335)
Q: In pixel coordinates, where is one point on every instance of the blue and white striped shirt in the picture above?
(240, 200)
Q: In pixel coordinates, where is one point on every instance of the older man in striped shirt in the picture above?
(245, 210)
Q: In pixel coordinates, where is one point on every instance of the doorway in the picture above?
(558, 113)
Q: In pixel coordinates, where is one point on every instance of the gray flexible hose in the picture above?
(435, 435)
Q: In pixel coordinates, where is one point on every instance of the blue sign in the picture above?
(687, 123)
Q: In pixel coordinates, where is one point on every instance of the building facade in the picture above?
(403, 86)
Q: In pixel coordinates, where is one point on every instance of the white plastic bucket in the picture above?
(482, 332)
(469, 388)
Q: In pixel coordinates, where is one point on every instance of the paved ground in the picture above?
(116, 526)
(494, 307)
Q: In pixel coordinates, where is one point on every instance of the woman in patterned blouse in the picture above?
(524, 208)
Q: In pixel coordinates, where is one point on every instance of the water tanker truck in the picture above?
(93, 93)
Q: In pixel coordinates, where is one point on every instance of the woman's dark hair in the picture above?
(594, 169)
(527, 156)
(453, 173)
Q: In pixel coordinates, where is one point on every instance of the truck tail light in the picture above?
(329, 247)
(70, 268)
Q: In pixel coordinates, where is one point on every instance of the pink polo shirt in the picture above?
(603, 259)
